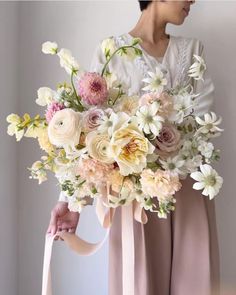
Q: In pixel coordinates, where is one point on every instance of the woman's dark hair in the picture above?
(144, 4)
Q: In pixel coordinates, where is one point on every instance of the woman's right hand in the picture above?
(62, 219)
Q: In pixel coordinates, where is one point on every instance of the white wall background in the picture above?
(25, 207)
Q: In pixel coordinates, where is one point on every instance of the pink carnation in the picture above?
(93, 89)
(52, 109)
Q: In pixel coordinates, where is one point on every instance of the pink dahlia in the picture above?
(93, 89)
(52, 109)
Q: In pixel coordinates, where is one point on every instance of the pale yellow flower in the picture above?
(12, 129)
(43, 140)
(129, 148)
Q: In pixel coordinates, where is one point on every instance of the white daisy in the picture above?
(209, 124)
(148, 119)
(156, 82)
(208, 180)
(198, 68)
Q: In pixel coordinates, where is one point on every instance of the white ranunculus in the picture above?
(67, 61)
(45, 96)
(97, 145)
(49, 47)
(65, 127)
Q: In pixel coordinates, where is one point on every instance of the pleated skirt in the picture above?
(174, 256)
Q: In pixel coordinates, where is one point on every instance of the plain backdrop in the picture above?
(25, 206)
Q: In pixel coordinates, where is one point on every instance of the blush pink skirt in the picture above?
(174, 256)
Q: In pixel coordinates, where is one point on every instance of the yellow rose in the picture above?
(130, 148)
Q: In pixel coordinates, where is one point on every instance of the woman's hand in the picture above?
(62, 219)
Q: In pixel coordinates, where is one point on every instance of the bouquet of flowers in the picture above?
(97, 138)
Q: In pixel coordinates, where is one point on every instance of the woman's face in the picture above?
(175, 11)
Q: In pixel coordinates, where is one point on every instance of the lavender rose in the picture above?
(168, 141)
(92, 119)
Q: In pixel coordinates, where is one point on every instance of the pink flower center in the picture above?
(95, 86)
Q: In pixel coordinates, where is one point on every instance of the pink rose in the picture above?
(168, 141)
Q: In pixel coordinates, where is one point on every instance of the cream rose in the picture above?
(65, 127)
(97, 145)
(130, 148)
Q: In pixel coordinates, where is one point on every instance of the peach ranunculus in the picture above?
(161, 184)
(129, 148)
(168, 141)
(65, 127)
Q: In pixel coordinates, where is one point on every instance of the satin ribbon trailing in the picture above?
(82, 247)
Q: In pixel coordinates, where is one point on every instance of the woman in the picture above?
(178, 255)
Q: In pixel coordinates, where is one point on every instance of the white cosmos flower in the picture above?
(67, 61)
(209, 124)
(148, 119)
(173, 164)
(208, 180)
(198, 68)
(156, 82)
(49, 47)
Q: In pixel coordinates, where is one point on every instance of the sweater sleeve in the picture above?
(205, 88)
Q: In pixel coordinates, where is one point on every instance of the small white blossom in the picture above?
(173, 164)
(209, 124)
(206, 148)
(156, 82)
(198, 68)
(45, 96)
(208, 180)
(148, 119)
(49, 47)
(67, 61)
